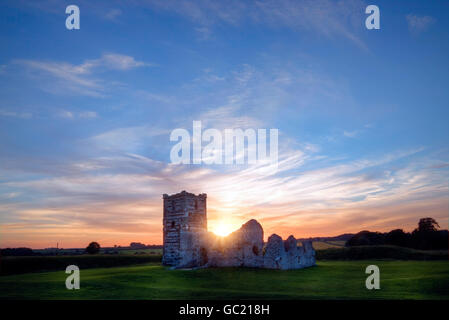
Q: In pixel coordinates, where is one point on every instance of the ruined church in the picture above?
(188, 244)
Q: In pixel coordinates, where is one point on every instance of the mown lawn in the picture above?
(329, 280)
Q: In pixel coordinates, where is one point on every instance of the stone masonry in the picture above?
(188, 244)
(183, 213)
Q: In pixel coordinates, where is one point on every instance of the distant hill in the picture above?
(341, 237)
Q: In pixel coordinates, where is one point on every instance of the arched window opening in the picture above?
(256, 250)
(203, 256)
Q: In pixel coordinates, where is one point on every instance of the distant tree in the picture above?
(93, 248)
(425, 237)
(366, 238)
(137, 245)
(427, 225)
(398, 237)
(428, 237)
(17, 252)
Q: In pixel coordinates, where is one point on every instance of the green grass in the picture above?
(329, 280)
(16, 265)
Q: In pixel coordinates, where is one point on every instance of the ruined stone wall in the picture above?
(188, 244)
(242, 248)
(287, 254)
(183, 212)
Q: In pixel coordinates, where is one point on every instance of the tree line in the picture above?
(425, 237)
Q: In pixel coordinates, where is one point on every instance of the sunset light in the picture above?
(139, 122)
(223, 228)
(223, 159)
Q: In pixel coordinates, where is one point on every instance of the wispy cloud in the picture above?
(251, 96)
(418, 24)
(324, 17)
(66, 114)
(82, 78)
(113, 14)
(75, 78)
(127, 139)
(77, 115)
(15, 114)
(115, 62)
(350, 134)
(88, 114)
(125, 191)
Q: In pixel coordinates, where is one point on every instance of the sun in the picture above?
(223, 228)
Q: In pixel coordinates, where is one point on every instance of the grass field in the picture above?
(329, 280)
(16, 265)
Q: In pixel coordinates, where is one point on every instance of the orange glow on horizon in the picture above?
(223, 219)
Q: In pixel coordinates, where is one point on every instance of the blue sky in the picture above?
(86, 115)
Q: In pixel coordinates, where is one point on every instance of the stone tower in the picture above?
(184, 213)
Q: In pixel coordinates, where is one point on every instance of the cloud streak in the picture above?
(324, 17)
(83, 78)
(418, 24)
(122, 195)
(15, 114)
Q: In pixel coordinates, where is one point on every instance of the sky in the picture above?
(86, 116)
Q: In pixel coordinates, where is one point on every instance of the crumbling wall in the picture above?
(242, 248)
(307, 254)
(194, 248)
(274, 255)
(287, 255)
(188, 244)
